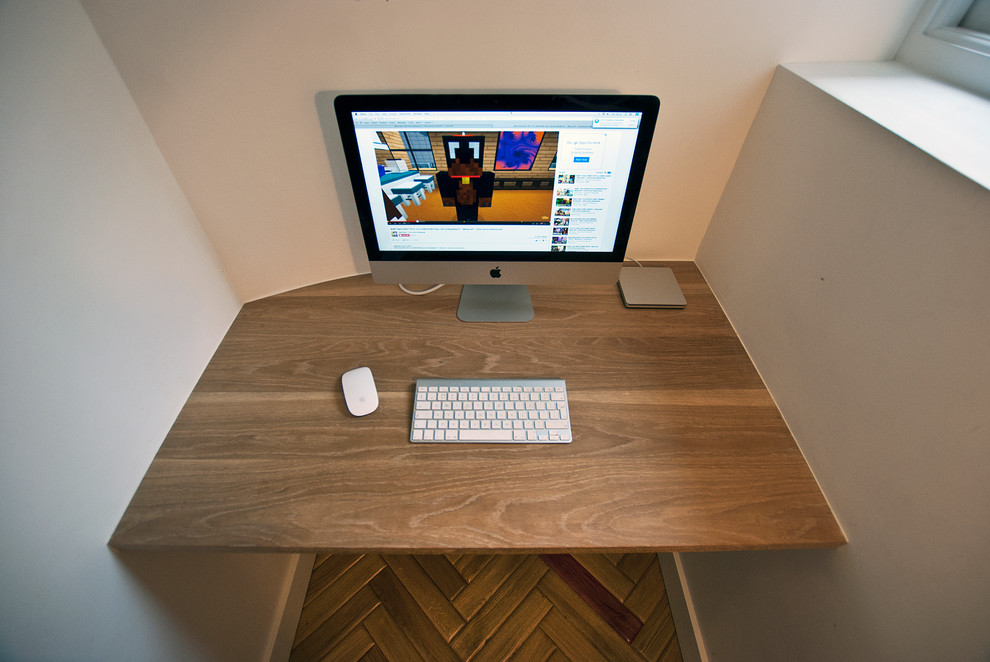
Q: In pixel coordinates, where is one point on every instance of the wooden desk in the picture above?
(678, 445)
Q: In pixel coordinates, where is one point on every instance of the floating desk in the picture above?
(677, 446)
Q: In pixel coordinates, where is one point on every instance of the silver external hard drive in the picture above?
(650, 287)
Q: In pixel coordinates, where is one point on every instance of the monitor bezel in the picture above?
(345, 104)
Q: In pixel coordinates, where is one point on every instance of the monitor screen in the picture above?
(496, 189)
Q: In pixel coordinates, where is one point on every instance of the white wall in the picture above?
(227, 89)
(111, 303)
(854, 267)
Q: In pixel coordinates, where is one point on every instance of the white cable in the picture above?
(420, 292)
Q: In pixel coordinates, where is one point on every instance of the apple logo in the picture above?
(496, 273)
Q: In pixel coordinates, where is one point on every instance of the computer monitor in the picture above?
(496, 192)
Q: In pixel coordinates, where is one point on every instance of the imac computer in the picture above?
(496, 191)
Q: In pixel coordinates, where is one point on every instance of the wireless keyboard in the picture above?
(521, 411)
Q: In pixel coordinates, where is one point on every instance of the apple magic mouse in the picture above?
(360, 394)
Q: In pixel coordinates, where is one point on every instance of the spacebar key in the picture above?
(485, 435)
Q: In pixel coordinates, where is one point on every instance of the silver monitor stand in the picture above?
(495, 303)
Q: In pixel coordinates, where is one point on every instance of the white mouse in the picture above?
(360, 394)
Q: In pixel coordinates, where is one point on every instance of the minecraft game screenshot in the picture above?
(448, 177)
(495, 180)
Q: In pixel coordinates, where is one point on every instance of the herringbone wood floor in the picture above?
(502, 607)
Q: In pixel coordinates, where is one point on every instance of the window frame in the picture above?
(936, 46)
(415, 154)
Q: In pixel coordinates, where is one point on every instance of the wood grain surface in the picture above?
(513, 607)
(677, 446)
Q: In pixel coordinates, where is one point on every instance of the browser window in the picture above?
(496, 181)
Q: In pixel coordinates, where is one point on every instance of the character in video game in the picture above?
(464, 185)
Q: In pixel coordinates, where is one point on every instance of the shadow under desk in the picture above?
(677, 446)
